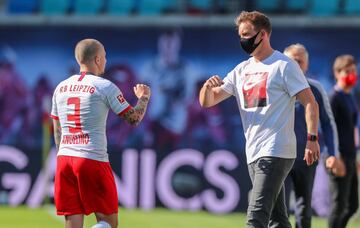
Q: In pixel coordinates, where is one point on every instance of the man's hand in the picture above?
(312, 152)
(330, 162)
(336, 166)
(211, 93)
(214, 81)
(136, 114)
(142, 90)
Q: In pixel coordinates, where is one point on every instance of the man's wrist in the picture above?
(144, 98)
(312, 137)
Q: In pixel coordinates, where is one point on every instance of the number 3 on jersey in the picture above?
(76, 116)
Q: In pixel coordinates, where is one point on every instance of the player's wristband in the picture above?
(311, 137)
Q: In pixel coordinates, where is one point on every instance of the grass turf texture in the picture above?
(23, 217)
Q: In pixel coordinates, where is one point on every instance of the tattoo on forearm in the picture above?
(141, 105)
(136, 114)
(57, 137)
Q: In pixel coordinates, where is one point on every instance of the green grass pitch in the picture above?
(23, 217)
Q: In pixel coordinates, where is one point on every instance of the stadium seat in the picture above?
(22, 7)
(152, 7)
(88, 7)
(120, 7)
(352, 7)
(229, 7)
(201, 5)
(324, 8)
(297, 5)
(54, 7)
(268, 5)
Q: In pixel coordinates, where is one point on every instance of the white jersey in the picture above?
(265, 92)
(81, 103)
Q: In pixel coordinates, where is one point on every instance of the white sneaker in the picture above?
(101, 224)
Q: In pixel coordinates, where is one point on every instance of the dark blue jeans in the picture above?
(267, 206)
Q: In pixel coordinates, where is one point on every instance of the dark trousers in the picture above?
(267, 200)
(302, 178)
(344, 196)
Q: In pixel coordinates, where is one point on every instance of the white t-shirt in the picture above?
(265, 92)
(81, 103)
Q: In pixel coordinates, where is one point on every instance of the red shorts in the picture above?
(84, 186)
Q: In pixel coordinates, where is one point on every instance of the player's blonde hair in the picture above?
(86, 50)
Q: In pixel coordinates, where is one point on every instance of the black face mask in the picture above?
(248, 43)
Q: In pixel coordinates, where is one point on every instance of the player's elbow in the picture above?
(133, 116)
(205, 104)
(202, 104)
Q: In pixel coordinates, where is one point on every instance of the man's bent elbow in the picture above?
(205, 104)
(133, 117)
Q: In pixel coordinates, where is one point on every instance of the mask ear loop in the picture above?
(252, 36)
(256, 35)
(260, 38)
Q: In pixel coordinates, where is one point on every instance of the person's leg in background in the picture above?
(353, 200)
(289, 186)
(303, 180)
(340, 193)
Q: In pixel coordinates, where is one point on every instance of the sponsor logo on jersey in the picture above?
(121, 99)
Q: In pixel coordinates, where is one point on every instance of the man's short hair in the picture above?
(86, 50)
(259, 20)
(298, 47)
(342, 62)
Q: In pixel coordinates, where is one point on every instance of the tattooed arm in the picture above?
(57, 133)
(136, 114)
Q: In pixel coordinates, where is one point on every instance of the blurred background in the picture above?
(181, 157)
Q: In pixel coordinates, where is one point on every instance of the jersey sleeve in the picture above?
(294, 79)
(116, 100)
(54, 111)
